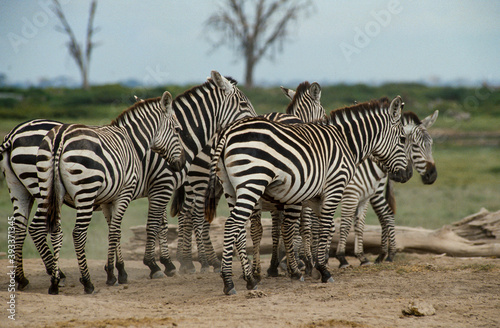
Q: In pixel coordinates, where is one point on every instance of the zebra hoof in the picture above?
(273, 272)
(22, 283)
(122, 278)
(204, 269)
(171, 273)
(365, 263)
(112, 281)
(217, 269)
(344, 266)
(330, 280)
(157, 275)
(230, 292)
(53, 289)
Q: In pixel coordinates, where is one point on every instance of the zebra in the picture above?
(99, 166)
(188, 202)
(18, 162)
(299, 164)
(200, 111)
(371, 184)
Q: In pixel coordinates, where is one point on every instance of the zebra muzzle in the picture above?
(402, 175)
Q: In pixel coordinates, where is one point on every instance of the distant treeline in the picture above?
(107, 101)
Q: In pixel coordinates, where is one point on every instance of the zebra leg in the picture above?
(305, 232)
(184, 249)
(276, 226)
(118, 209)
(120, 266)
(345, 227)
(79, 240)
(21, 215)
(197, 225)
(241, 246)
(56, 240)
(209, 247)
(386, 218)
(38, 232)
(359, 228)
(165, 259)
(152, 231)
(120, 263)
(256, 234)
(22, 202)
(290, 220)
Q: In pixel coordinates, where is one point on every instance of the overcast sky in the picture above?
(161, 42)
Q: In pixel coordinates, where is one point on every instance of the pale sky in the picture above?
(162, 42)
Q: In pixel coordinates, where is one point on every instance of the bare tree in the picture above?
(82, 58)
(255, 34)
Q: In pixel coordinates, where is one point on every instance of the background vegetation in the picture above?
(466, 148)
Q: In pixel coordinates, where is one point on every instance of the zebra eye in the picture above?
(403, 139)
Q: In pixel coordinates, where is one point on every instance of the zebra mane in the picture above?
(360, 107)
(411, 117)
(301, 89)
(207, 83)
(139, 104)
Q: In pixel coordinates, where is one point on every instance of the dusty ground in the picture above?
(463, 292)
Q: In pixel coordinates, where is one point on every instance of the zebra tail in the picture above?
(54, 183)
(389, 195)
(211, 192)
(178, 199)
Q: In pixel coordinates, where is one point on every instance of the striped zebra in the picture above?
(371, 184)
(299, 164)
(19, 164)
(200, 111)
(305, 106)
(99, 166)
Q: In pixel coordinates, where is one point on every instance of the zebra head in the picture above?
(391, 151)
(305, 103)
(167, 142)
(231, 98)
(420, 145)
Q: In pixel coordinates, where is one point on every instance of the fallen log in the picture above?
(474, 236)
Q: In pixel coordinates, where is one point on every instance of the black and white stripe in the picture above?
(305, 106)
(371, 184)
(299, 164)
(100, 166)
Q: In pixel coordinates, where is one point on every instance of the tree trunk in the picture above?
(249, 65)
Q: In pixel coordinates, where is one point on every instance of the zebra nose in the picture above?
(402, 175)
(430, 174)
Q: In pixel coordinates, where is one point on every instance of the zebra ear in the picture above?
(222, 82)
(430, 120)
(315, 91)
(166, 103)
(289, 93)
(396, 107)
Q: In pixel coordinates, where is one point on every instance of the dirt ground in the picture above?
(464, 292)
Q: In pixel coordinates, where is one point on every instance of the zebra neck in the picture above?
(140, 127)
(361, 132)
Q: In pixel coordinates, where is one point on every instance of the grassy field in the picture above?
(468, 173)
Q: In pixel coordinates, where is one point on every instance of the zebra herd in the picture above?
(206, 142)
